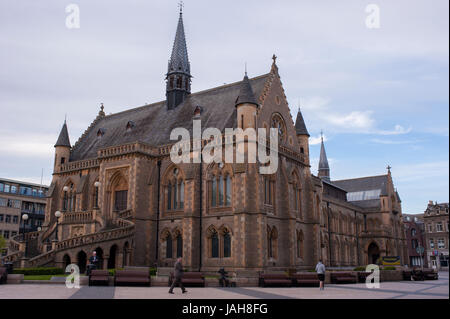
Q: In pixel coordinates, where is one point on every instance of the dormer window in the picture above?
(100, 132)
(130, 125)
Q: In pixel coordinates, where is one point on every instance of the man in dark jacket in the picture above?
(178, 274)
(93, 263)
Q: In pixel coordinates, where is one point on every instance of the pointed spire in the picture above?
(179, 61)
(63, 139)
(300, 126)
(324, 168)
(246, 93)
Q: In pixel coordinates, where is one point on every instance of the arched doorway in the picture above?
(81, 261)
(66, 261)
(99, 252)
(373, 253)
(112, 257)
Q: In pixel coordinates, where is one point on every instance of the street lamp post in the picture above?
(57, 215)
(97, 185)
(24, 218)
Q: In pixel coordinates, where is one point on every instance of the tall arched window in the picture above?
(272, 237)
(269, 188)
(174, 190)
(226, 244)
(220, 190)
(300, 244)
(179, 245)
(169, 246)
(214, 245)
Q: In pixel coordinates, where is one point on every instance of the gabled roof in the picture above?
(300, 126)
(154, 122)
(364, 184)
(63, 139)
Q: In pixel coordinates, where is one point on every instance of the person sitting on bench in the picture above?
(223, 280)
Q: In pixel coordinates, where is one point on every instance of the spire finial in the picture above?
(65, 118)
(389, 168)
(181, 5)
(245, 68)
(274, 58)
(321, 135)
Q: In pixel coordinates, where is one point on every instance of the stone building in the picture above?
(436, 223)
(415, 237)
(120, 194)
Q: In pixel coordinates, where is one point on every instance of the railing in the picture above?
(13, 257)
(77, 217)
(42, 259)
(136, 147)
(126, 214)
(77, 165)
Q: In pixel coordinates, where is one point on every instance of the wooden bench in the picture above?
(132, 277)
(190, 279)
(99, 277)
(3, 275)
(342, 277)
(362, 276)
(430, 274)
(274, 280)
(305, 280)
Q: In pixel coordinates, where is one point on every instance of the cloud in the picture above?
(421, 171)
(398, 129)
(27, 145)
(317, 139)
(392, 142)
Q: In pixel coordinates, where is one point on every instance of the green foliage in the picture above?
(39, 271)
(152, 271)
(360, 268)
(2, 242)
(389, 268)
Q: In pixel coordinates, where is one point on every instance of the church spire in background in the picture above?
(324, 168)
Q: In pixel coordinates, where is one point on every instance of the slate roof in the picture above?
(154, 122)
(63, 139)
(246, 94)
(300, 126)
(179, 61)
(364, 184)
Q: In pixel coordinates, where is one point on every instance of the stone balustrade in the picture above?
(137, 147)
(77, 217)
(78, 165)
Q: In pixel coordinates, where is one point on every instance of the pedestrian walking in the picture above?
(178, 274)
(320, 269)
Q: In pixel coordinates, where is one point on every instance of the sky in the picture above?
(380, 94)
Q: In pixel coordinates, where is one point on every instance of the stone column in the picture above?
(105, 261)
(119, 259)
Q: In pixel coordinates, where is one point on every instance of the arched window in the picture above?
(179, 245)
(226, 244)
(168, 246)
(272, 237)
(69, 198)
(300, 244)
(174, 191)
(413, 232)
(269, 188)
(220, 190)
(179, 82)
(214, 245)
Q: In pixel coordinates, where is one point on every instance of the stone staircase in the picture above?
(38, 257)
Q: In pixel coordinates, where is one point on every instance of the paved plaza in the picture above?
(432, 289)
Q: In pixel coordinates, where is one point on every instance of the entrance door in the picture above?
(373, 253)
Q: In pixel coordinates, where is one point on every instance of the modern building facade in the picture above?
(16, 199)
(436, 222)
(117, 191)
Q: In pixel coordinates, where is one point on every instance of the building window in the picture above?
(413, 232)
(220, 191)
(431, 243)
(214, 245)
(2, 187)
(1, 218)
(439, 227)
(179, 245)
(175, 191)
(272, 243)
(15, 219)
(3, 202)
(13, 189)
(120, 200)
(226, 244)
(168, 246)
(6, 234)
(430, 228)
(414, 243)
(269, 187)
(8, 219)
(441, 243)
(7, 188)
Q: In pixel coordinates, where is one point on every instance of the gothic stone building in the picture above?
(119, 193)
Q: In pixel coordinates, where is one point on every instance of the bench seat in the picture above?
(132, 277)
